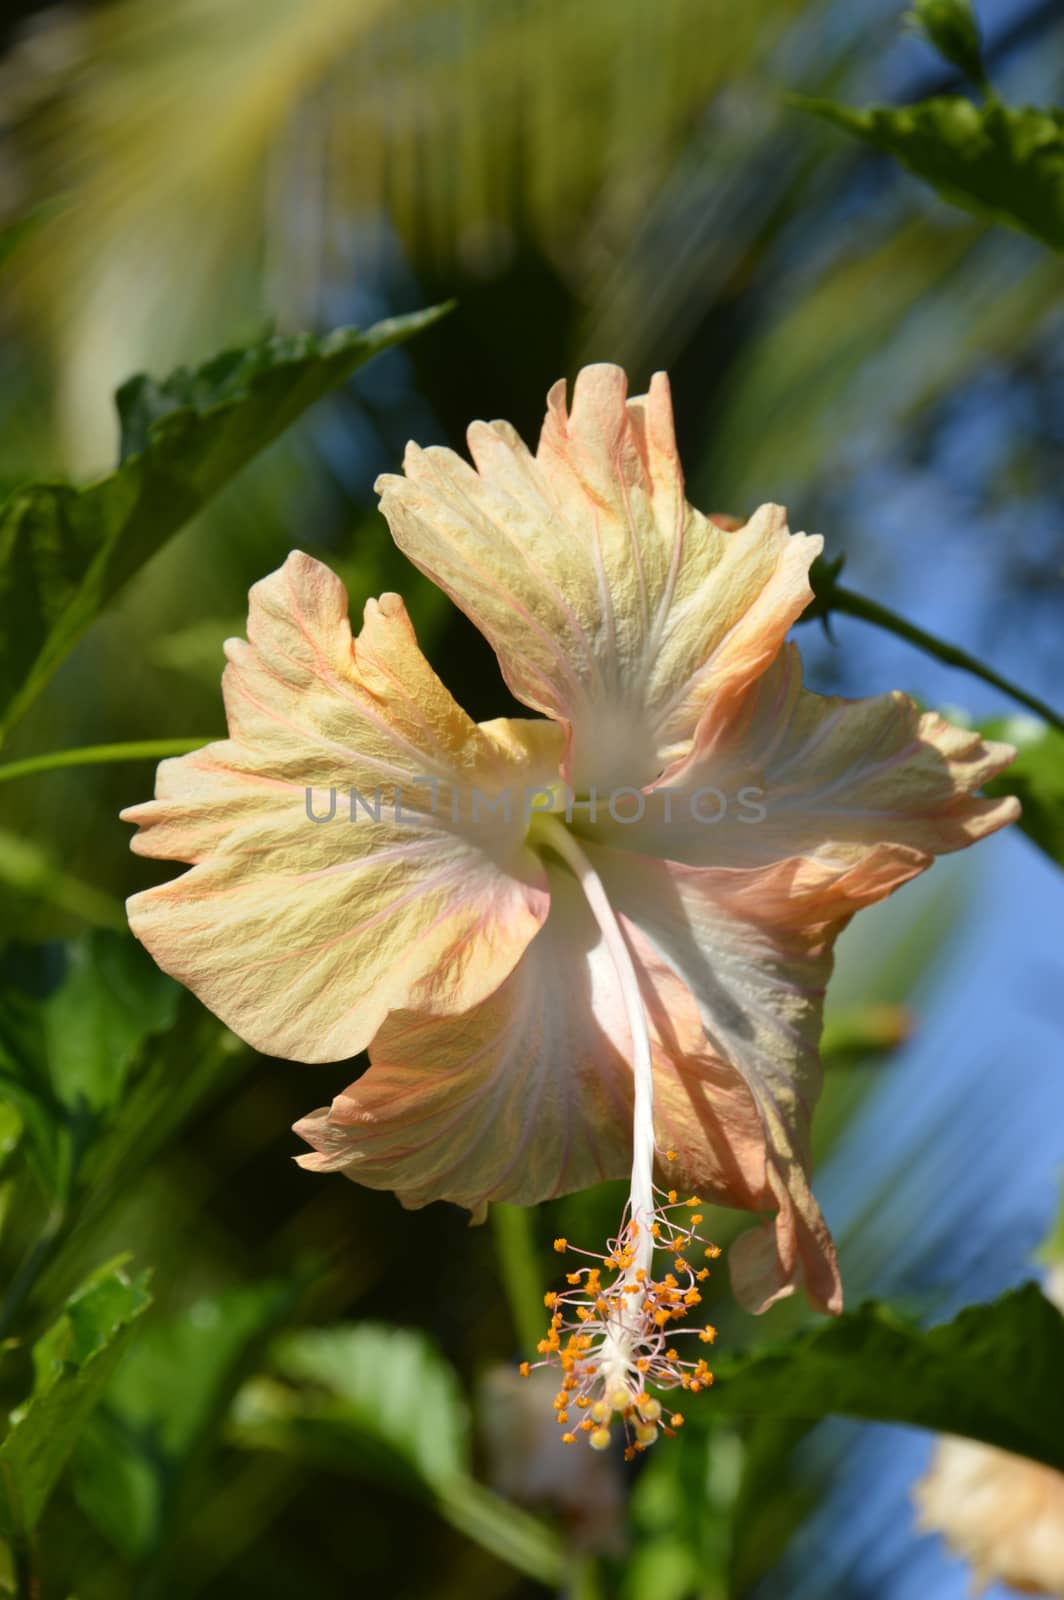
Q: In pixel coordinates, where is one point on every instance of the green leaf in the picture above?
(136, 1465)
(1001, 162)
(381, 1403)
(1036, 777)
(366, 1397)
(990, 1374)
(75, 1024)
(72, 1363)
(65, 552)
(36, 872)
(951, 26)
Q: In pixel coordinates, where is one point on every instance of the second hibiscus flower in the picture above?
(538, 926)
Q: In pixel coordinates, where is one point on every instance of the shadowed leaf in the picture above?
(134, 1471)
(72, 1363)
(990, 1374)
(381, 1403)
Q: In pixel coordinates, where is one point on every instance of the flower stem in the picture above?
(563, 844)
(516, 1251)
(851, 604)
(27, 1574)
(92, 755)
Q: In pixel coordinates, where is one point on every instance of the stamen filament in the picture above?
(561, 841)
(611, 1339)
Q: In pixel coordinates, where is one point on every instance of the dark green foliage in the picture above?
(65, 552)
(1003, 163)
(989, 1374)
(72, 1363)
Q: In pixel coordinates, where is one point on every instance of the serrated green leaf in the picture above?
(75, 1021)
(353, 1390)
(381, 1403)
(1001, 162)
(136, 1463)
(993, 1373)
(72, 1363)
(65, 552)
(1036, 777)
(951, 27)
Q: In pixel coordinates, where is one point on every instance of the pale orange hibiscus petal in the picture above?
(529, 1095)
(613, 605)
(303, 935)
(798, 773)
(754, 949)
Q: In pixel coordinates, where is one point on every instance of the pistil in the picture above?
(611, 1339)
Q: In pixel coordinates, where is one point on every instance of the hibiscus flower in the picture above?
(540, 928)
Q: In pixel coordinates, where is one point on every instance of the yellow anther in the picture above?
(563, 1417)
(708, 1334)
(673, 1197)
(599, 1439)
(676, 1420)
(693, 1203)
(572, 1277)
(561, 1245)
(670, 1155)
(524, 1369)
(550, 1300)
(568, 1438)
(696, 1220)
(711, 1252)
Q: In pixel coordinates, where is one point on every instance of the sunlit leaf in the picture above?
(1037, 777)
(382, 1404)
(369, 1394)
(135, 1465)
(64, 552)
(72, 1363)
(990, 1374)
(1001, 162)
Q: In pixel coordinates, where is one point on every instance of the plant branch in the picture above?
(93, 755)
(832, 597)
